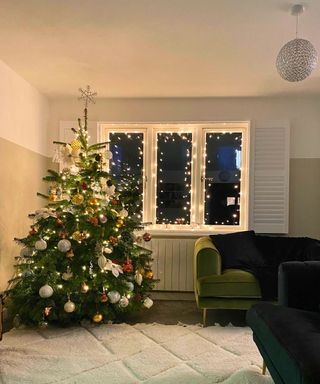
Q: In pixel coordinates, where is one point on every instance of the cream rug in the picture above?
(125, 354)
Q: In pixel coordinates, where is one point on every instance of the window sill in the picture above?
(189, 231)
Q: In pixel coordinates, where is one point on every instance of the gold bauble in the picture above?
(94, 201)
(149, 274)
(77, 199)
(119, 223)
(97, 318)
(89, 211)
(53, 197)
(75, 144)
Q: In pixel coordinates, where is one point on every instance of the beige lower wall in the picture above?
(304, 206)
(21, 173)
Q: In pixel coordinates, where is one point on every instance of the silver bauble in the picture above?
(114, 296)
(130, 286)
(40, 245)
(64, 245)
(45, 291)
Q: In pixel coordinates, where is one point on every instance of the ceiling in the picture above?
(155, 48)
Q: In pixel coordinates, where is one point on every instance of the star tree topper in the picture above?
(87, 96)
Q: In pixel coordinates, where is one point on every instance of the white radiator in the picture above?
(172, 263)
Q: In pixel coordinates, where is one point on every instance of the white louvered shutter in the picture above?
(269, 208)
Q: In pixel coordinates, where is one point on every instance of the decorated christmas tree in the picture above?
(83, 257)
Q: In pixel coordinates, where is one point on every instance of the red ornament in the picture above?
(103, 297)
(113, 240)
(94, 221)
(63, 234)
(84, 186)
(146, 236)
(127, 267)
(59, 222)
(138, 296)
(33, 231)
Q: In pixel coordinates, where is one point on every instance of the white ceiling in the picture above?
(155, 48)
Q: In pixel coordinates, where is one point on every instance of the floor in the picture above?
(172, 308)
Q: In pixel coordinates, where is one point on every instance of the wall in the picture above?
(23, 161)
(302, 112)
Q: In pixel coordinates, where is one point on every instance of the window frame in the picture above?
(198, 130)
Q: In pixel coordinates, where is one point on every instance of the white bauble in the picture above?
(138, 278)
(108, 155)
(130, 286)
(123, 302)
(64, 245)
(102, 261)
(69, 306)
(45, 291)
(148, 303)
(123, 213)
(114, 296)
(40, 245)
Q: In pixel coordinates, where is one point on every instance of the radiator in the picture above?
(172, 263)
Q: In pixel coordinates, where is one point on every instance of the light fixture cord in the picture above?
(297, 24)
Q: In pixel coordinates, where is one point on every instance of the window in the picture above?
(191, 176)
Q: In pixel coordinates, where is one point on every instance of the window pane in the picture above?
(126, 166)
(222, 178)
(173, 194)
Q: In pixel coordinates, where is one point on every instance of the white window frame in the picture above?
(198, 130)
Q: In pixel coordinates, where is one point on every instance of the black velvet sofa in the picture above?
(288, 334)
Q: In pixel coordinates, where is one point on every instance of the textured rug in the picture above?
(125, 354)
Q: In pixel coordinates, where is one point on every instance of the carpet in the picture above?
(131, 354)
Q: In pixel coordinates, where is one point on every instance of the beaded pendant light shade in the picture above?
(297, 58)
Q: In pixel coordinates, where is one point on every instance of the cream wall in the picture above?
(303, 114)
(23, 148)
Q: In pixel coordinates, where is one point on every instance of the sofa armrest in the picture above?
(299, 284)
(207, 259)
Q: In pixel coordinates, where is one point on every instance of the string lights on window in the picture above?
(190, 176)
(173, 188)
(222, 177)
(126, 165)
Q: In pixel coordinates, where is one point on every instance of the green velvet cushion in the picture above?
(231, 283)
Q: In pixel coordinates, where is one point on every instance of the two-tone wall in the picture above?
(29, 123)
(23, 161)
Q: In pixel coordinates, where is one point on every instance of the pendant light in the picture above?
(297, 58)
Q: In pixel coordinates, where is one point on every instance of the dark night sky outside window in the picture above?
(173, 194)
(222, 178)
(127, 160)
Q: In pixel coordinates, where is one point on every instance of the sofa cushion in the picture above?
(238, 250)
(289, 339)
(231, 283)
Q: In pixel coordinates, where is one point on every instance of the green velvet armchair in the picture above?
(220, 289)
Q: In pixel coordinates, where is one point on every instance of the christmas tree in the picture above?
(82, 258)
